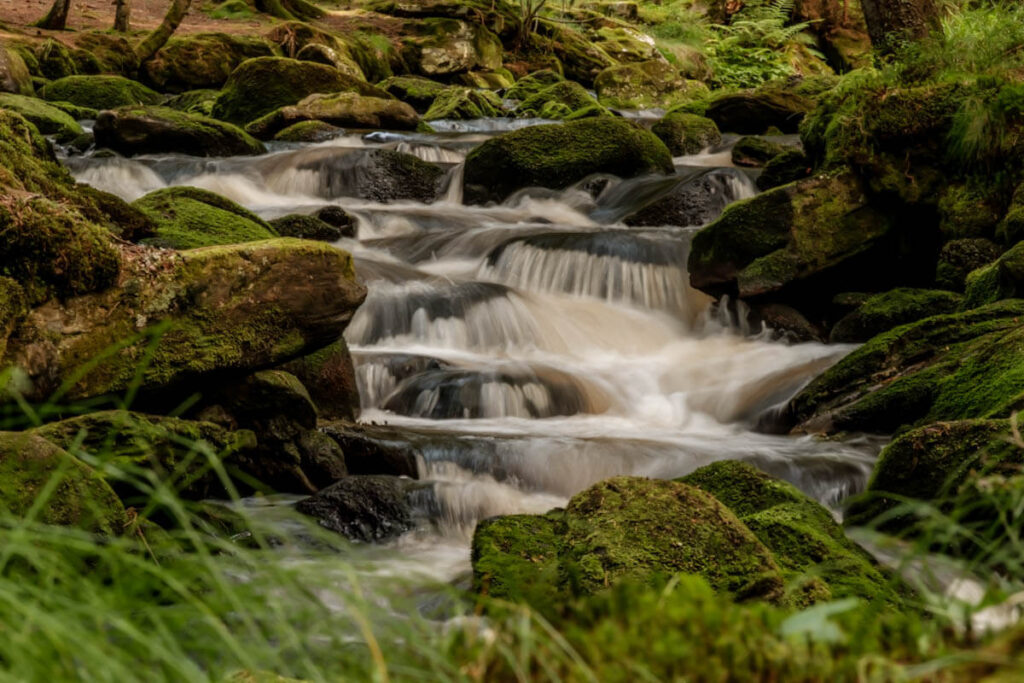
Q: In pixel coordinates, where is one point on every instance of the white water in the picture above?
(560, 347)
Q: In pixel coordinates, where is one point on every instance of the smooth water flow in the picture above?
(533, 348)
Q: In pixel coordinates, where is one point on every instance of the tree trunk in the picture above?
(289, 10)
(57, 18)
(892, 21)
(122, 15)
(159, 37)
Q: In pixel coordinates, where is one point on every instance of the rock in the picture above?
(161, 130)
(500, 79)
(755, 151)
(121, 218)
(948, 367)
(381, 175)
(187, 217)
(104, 52)
(305, 42)
(464, 104)
(787, 167)
(752, 112)
(261, 85)
(558, 101)
(184, 455)
(646, 85)
(364, 508)
(686, 201)
(580, 58)
(14, 75)
(966, 210)
(439, 46)
(74, 111)
(48, 119)
(627, 45)
(337, 217)
(371, 449)
(557, 156)
(1002, 279)
(201, 60)
(306, 227)
(99, 92)
(330, 378)
(344, 109)
(1011, 229)
(28, 464)
(803, 243)
(788, 323)
(959, 258)
(516, 558)
(194, 102)
(931, 464)
(219, 311)
(841, 30)
(803, 537)
(530, 85)
(686, 133)
(55, 60)
(891, 309)
(416, 91)
(308, 131)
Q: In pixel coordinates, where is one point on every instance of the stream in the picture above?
(533, 348)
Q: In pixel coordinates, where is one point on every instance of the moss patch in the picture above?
(50, 120)
(686, 133)
(99, 92)
(891, 309)
(187, 217)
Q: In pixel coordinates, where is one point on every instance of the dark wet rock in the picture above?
(380, 175)
(339, 218)
(364, 508)
(161, 130)
(306, 227)
(330, 378)
(784, 168)
(755, 151)
(371, 449)
(754, 112)
(789, 323)
(687, 201)
(959, 258)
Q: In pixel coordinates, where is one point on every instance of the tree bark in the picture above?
(893, 21)
(57, 18)
(162, 33)
(122, 15)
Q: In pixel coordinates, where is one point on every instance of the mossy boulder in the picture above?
(330, 377)
(804, 538)
(99, 92)
(104, 52)
(1010, 230)
(646, 85)
(162, 130)
(787, 167)
(188, 217)
(969, 210)
(48, 119)
(306, 227)
(686, 133)
(533, 83)
(261, 85)
(183, 318)
(308, 131)
(308, 43)
(1002, 279)
(74, 111)
(416, 91)
(626, 45)
(344, 109)
(581, 60)
(201, 60)
(181, 454)
(516, 558)
(463, 104)
(755, 151)
(753, 112)
(558, 101)
(439, 46)
(53, 59)
(891, 309)
(559, 155)
(194, 101)
(32, 467)
(948, 367)
(499, 79)
(14, 75)
(959, 258)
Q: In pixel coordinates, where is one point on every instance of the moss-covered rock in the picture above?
(194, 101)
(533, 83)
(626, 45)
(959, 258)
(14, 75)
(201, 60)
(344, 109)
(74, 111)
(753, 112)
(755, 151)
(308, 131)
(1002, 279)
(646, 85)
(464, 104)
(581, 60)
(516, 558)
(99, 92)
(440, 46)
(54, 60)
(306, 227)
(32, 467)
(947, 367)
(1011, 229)
(330, 377)
(181, 454)
(261, 85)
(558, 101)
(686, 133)
(181, 317)
(162, 130)
(558, 155)
(499, 79)
(48, 119)
(187, 217)
(306, 42)
(416, 91)
(804, 538)
(104, 52)
(968, 210)
(891, 309)
(788, 167)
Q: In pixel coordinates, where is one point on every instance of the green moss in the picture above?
(55, 60)
(50, 120)
(969, 210)
(345, 109)
(755, 151)
(532, 84)
(12, 309)
(415, 91)
(463, 104)
(202, 60)
(187, 217)
(330, 377)
(308, 131)
(567, 95)
(891, 309)
(1011, 229)
(261, 85)
(686, 133)
(99, 92)
(959, 258)
(105, 52)
(1002, 279)
(74, 111)
(498, 79)
(556, 156)
(159, 130)
(39, 478)
(646, 85)
(194, 102)
(14, 73)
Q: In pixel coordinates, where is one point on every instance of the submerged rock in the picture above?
(99, 92)
(188, 217)
(381, 175)
(161, 130)
(556, 156)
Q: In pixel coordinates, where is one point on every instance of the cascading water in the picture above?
(531, 349)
